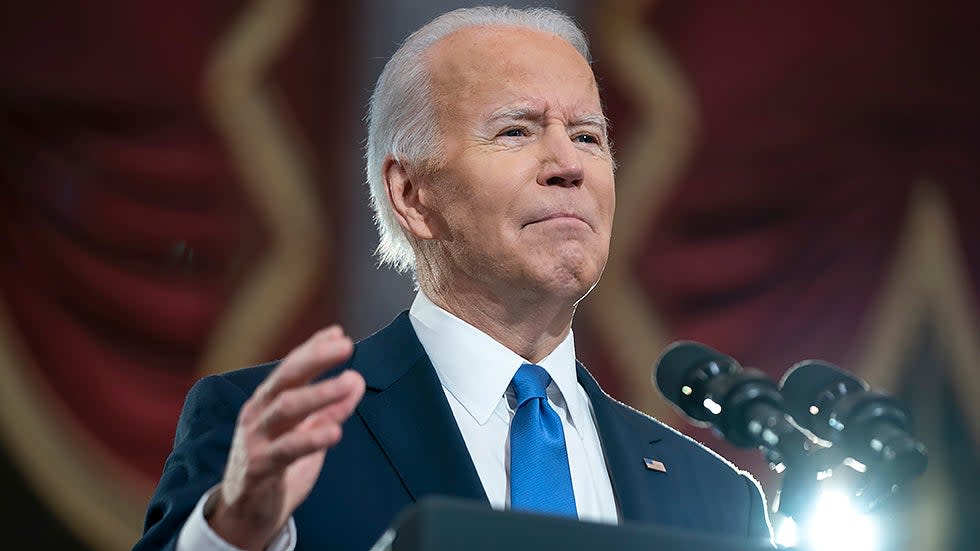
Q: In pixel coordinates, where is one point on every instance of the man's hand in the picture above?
(283, 433)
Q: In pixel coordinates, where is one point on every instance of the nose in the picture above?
(561, 162)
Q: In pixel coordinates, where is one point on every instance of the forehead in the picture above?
(480, 69)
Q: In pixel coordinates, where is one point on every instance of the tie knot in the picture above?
(530, 381)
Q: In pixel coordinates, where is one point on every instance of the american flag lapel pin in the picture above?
(654, 465)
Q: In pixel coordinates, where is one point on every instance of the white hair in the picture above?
(401, 115)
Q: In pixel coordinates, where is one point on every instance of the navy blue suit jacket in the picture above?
(402, 443)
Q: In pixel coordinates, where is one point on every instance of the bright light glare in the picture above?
(836, 525)
(712, 406)
(787, 533)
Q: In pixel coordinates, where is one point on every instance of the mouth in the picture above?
(559, 217)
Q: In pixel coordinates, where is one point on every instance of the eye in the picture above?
(586, 138)
(516, 132)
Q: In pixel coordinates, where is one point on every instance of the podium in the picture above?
(445, 524)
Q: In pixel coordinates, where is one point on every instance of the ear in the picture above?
(404, 195)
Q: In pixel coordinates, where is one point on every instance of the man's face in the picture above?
(524, 195)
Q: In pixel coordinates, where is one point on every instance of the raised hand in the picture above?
(283, 433)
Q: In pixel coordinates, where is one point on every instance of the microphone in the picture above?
(875, 429)
(744, 405)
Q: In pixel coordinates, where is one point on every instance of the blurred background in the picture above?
(181, 193)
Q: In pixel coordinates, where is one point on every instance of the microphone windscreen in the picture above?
(802, 384)
(676, 361)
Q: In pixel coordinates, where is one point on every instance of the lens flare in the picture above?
(834, 524)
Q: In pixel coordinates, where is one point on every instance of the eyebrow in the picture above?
(599, 121)
(515, 114)
(534, 114)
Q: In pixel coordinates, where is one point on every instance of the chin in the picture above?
(572, 280)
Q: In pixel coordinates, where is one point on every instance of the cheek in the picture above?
(606, 199)
(481, 222)
(491, 206)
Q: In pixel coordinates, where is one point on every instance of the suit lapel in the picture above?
(643, 495)
(406, 411)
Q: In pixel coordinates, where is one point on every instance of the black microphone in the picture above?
(744, 405)
(873, 428)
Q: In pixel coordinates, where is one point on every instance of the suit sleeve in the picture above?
(197, 461)
(758, 514)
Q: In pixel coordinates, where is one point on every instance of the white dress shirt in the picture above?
(476, 372)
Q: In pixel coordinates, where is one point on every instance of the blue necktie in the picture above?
(540, 480)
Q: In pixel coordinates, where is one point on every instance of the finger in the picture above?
(340, 410)
(293, 405)
(318, 432)
(323, 350)
(297, 444)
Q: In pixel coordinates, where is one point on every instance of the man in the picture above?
(492, 178)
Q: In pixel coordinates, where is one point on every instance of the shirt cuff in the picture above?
(197, 535)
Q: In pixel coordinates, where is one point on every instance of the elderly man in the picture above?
(492, 179)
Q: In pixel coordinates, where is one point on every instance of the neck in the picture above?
(530, 326)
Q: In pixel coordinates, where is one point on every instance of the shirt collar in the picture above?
(476, 369)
